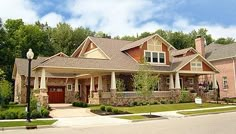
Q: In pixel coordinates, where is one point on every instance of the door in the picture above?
(56, 94)
(87, 93)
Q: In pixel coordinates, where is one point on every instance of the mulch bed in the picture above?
(104, 113)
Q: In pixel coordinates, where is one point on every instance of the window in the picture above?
(162, 57)
(191, 81)
(69, 87)
(167, 81)
(148, 56)
(196, 65)
(225, 83)
(154, 57)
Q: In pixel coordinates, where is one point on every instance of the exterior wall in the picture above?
(165, 49)
(138, 52)
(186, 67)
(200, 45)
(95, 54)
(226, 69)
(90, 46)
(189, 53)
(205, 67)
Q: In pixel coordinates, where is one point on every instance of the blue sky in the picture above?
(128, 17)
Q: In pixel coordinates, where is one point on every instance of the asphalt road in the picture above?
(224, 123)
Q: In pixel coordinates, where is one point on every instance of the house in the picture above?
(90, 73)
(223, 57)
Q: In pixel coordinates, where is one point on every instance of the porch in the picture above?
(99, 87)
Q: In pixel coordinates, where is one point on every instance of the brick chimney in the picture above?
(200, 43)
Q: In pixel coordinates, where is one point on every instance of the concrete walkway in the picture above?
(67, 110)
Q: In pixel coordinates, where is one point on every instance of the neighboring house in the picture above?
(90, 73)
(223, 57)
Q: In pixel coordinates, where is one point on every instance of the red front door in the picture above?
(56, 94)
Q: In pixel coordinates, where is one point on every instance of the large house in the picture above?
(90, 73)
(223, 57)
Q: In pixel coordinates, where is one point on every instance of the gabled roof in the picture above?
(141, 41)
(218, 51)
(182, 51)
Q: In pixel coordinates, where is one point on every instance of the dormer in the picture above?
(153, 49)
(88, 49)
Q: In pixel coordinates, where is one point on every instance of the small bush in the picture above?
(33, 103)
(79, 104)
(103, 108)
(85, 105)
(10, 114)
(185, 97)
(171, 102)
(22, 115)
(36, 114)
(115, 111)
(2, 115)
(163, 102)
(44, 112)
(108, 109)
(135, 103)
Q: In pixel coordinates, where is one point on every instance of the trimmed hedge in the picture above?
(79, 104)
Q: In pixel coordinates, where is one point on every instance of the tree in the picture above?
(101, 34)
(145, 82)
(225, 41)
(5, 90)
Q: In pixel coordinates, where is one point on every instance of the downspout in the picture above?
(234, 75)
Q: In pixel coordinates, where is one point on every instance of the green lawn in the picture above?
(163, 107)
(133, 117)
(24, 123)
(210, 111)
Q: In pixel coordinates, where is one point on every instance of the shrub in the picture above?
(33, 103)
(135, 103)
(171, 102)
(10, 114)
(103, 108)
(36, 114)
(109, 109)
(185, 97)
(44, 112)
(2, 115)
(115, 111)
(85, 105)
(163, 102)
(79, 104)
(22, 115)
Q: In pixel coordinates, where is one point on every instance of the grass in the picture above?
(24, 123)
(210, 111)
(163, 107)
(133, 117)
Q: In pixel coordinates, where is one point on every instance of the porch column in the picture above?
(113, 81)
(91, 85)
(43, 79)
(177, 81)
(36, 82)
(171, 86)
(214, 86)
(76, 85)
(99, 83)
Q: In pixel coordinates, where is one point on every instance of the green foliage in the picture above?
(103, 108)
(44, 112)
(224, 41)
(115, 111)
(185, 97)
(108, 109)
(120, 85)
(36, 114)
(145, 82)
(79, 104)
(5, 92)
(11, 114)
(22, 115)
(33, 103)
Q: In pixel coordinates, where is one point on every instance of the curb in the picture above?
(24, 127)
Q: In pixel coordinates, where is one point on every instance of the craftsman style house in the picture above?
(90, 73)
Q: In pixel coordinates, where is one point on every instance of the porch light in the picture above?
(30, 56)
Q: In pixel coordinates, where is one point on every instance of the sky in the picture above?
(128, 17)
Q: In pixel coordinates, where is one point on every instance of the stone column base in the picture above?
(43, 97)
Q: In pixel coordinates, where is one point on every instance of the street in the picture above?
(224, 123)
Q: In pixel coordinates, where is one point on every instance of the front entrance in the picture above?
(87, 93)
(56, 94)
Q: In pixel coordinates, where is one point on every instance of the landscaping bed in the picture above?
(141, 117)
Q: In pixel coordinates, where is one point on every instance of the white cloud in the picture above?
(52, 19)
(16, 9)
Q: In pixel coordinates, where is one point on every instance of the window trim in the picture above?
(67, 87)
(196, 67)
(225, 79)
(158, 57)
(191, 81)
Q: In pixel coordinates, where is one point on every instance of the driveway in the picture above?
(67, 110)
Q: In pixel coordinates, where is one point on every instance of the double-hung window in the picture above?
(154, 57)
(225, 83)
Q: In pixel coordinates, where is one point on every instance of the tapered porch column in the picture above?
(43, 79)
(36, 82)
(91, 86)
(177, 81)
(214, 86)
(99, 83)
(76, 85)
(113, 81)
(171, 86)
